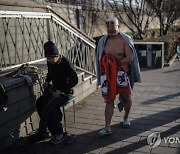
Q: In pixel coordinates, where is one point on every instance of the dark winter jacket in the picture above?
(62, 75)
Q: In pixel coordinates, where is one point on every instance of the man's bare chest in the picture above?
(115, 47)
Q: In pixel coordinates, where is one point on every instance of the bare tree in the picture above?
(167, 11)
(136, 11)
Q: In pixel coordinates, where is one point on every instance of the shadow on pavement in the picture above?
(175, 70)
(121, 141)
(159, 99)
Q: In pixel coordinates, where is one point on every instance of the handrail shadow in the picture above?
(158, 99)
(89, 141)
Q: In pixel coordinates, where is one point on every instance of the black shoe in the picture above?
(121, 103)
(120, 106)
(58, 138)
(35, 138)
(46, 135)
(70, 139)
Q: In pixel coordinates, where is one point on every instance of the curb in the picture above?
(171, 60)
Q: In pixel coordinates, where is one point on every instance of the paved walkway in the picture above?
(156, 108)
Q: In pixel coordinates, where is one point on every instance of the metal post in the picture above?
(74, 108)
(48, 24)
(64, 114)
(78, 18)
(162, 56)
(161, 19)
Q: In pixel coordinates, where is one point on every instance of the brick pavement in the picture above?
(156, 108)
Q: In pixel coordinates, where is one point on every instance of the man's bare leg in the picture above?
(127, 105)
(109, 111)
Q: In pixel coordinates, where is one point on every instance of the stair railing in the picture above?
(24, 33)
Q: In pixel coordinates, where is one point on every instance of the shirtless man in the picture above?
(115, 44)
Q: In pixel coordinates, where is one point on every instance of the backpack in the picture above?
(3, 97)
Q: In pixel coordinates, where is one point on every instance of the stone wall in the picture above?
(89, 21)
(20, 117)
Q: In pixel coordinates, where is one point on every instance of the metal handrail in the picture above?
(25, 33)
(45, 7)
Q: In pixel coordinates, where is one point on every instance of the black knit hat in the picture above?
(50, 49)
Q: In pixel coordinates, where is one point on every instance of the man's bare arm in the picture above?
(128, 55)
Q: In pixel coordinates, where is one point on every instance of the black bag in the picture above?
(3, 97)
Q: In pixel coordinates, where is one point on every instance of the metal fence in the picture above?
(24, 33)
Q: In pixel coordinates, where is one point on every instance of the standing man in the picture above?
(120, 46)
(63, 77)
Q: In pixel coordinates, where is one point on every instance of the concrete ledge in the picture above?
(171, 61)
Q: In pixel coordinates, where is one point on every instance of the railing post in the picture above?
(162, 55)
(48, 24)
(78, 18)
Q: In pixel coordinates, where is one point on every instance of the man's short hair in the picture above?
(112, 19)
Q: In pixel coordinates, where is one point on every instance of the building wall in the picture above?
(89, 20)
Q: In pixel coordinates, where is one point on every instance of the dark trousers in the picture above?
(50, 114)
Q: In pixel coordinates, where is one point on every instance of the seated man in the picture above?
(63, 76)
